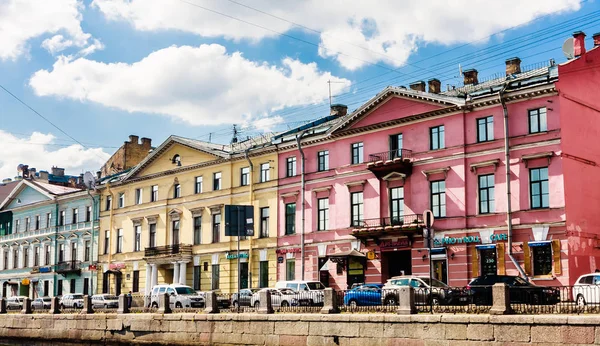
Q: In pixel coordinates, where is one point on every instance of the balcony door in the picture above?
(397, 205)
(395, 146)
(175, 237)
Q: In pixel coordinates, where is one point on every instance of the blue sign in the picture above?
(45, 270)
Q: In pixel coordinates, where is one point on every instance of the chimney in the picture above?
(418, 86)
(72, 182)
(339, 110)
(134, 139)
(596, 37)
(98, 175)
(44, 175)
(513, 66)
(146, 142)
(470, 77)
(59, 172)
(435, 86)
(579, 43)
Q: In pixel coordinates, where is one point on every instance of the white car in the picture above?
(72, 301)
(280, 298)
(105, 301)
(42, 303)
(180, 296)
(306, 290)
(587, 289)
(15, 303)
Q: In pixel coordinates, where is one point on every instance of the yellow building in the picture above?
(163, 220)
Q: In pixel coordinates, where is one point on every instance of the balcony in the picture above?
(68, 267)
(407, 225)
(389, 164)
(168, 253)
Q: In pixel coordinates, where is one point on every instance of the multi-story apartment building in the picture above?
(163, 220)
(48, 237)
(353, 213)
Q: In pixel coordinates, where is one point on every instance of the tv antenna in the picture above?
(567, 48)
(89, 181)
(329, 84)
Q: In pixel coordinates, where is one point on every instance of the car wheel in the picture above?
(435, 301)
(353, 304)
(257, 305)
(235, 304)
(62, 306)
(390, 300)
(178, 305)
(285, 304)
(580, 300)
(155, 305)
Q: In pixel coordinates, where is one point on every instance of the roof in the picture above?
(56, 190)
(49, 190)
(6, 189)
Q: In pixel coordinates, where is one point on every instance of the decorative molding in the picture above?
(476, 165)
(197, 211)
(394, 176)
(216, 208)
(175, 214)
(137, 221)
(152, 218)
(351, 184)
(443, 170)
(293, 194)
(526, 158)
(322, 189)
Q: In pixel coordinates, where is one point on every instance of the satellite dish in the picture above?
(567, 48)
(89, 181)
(20, 167)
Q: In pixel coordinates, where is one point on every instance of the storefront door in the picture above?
(440, 270)
(395, 263)
(243, 275)
(488, 262)
(324, 271)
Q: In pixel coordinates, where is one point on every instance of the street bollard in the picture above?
(330, 303)
(26, 306)
(406, 301)
(265, 304)
(123, 306)
(501, 300)
(87, 305)
(164, 304)
(3, 305)
(211, 303)
(54, 306)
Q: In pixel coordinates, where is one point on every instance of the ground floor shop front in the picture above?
(44, 282)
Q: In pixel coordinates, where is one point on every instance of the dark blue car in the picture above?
(364, 295)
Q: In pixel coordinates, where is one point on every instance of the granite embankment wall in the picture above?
(299, 329)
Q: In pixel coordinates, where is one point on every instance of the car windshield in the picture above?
(287, 291)
(185, 290)
(78, 296)
(436, 283)
(47, 299)
(110, 298)
(315, 286)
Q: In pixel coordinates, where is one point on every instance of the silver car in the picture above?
(42, 303)
(105, 301)
(15, 303)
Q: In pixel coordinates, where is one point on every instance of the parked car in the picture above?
(245, 297)
(105, 301)
(281, 298)
(42, 303)
(311, 290)
(15, 303)
(436, 293)
(520, 291)
(363, 295)
(72, 300)
(223, 302)
(180, 296)
(586, 289)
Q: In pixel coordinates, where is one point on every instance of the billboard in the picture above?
(239, 220)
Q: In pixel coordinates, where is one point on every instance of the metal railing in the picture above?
(391, 155)
(184, 249)
(68, 266)
(402, 220)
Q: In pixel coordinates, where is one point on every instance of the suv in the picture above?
(436, 293)
(105, 301)
(15, 303)
(520, 291)
(245, 297)
(73, 301)
(311, 291)
(181, 296)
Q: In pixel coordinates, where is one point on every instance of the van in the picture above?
(180, 296)
(307, 290)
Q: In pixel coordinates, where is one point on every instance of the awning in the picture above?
(349, 253)
(539, 243)
(113, 271)
(485, 247)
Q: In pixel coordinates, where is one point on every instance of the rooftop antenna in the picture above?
(329, 84)
(567, 48)
(210, 137)
(235, 133)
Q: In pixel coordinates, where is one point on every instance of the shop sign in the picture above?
(280, 259)
(390, 244)
(35, 270)
(25, 282)
(92, 267)
(292, 250)
(234, 255)
(116, 266)
(467, 239)
(371, 255)
(44, 269)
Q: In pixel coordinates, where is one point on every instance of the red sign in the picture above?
(292, 250)
(116, 266)
(92, 267)
(390, 244)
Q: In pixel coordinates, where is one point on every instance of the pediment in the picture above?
(25, 194)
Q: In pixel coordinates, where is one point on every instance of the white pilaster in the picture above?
(154, 275)
(175, 272)
(182, 273)
(148, 280)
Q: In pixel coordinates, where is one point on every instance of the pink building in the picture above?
(369, 176)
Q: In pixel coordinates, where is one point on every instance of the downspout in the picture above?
(250, 202)
(55, 245)
(508, 193)
(302, 194)
(93, 237)
(110, 230)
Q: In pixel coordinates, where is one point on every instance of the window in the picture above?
(176, 190)
(27, 224)
(47, 255)
(108, 203)
(88, 214)
(15, 258)
(263, 275)
(73, 251)
(438, 198)
(138, 196)
(538, 188)
(396, 146)
(196, 278)
(86, 286)
(197, 230)
(216, 228)
(291, 166)
(175, 239)
(323, 214)
(75, 218)
(537, 120)
(37, 222)
(106, 242)
(119, 240)
(245, 176)
(217, 181)
(137, 238)
(542, 258)
(290, 218)
(357, 153)
(198, 185)
(72, 285)
(265, 172)
(436, 137)
(152, 235)
(397, 205)
(25, 257)
(17, 225)
(264, 222)
(61, 253)
(48, 220)
(86, 253)
(36, 256)
(5, 263)
(215, 277)
(46, 292)
(485, 129)
(356, 208)
(486, 194)
(136, 281)
(59, 287)
(154, 194)
(323, 157)
(290, 269)
(61, 218)
(121, 200)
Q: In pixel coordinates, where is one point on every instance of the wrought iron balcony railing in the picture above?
(402, 220)
(68, 266)
(391, 155)
(177, 249)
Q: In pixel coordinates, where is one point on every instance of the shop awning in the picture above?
(539, 243)
(348, 253)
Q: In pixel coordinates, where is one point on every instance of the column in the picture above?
(148, 279)
(154, 274)
(175, 272)
(182, 273)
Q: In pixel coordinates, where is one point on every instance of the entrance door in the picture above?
(244, 275)
(323, 271)
(118, 284)
(396, 263)
(440, 270)
(356, 271)
(489, 264)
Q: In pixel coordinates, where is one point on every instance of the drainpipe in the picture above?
(92, 245)
(302, 194)
(250, 200)
(110, 229)
(55, 246)
(508, 193)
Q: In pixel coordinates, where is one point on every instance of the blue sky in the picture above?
(161, 67)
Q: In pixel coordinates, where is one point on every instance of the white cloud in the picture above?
(37, 151)
(22, 20)
(199, 85)
(389, 30)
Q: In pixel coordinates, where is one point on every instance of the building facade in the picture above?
(163, 221)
